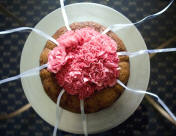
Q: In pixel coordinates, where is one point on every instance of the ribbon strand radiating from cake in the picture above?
(39, 32)
(141, 52)
(31, 72)
(83, 116)
(64, 15)
(149, 93)
(117, 27)
(58, 112)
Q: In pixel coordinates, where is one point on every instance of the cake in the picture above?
(97, 100)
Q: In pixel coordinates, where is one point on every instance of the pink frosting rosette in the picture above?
(84, 61)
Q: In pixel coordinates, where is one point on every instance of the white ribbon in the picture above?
(64, 15)
(133, 54)
(33, 71)
(152, 94)
(27, 73)
(58, 111)
(117, 27)
(83, 116)
(33, 29)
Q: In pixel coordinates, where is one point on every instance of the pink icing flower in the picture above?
(84, 61)
(56, 59)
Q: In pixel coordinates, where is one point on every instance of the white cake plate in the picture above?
(109, 117)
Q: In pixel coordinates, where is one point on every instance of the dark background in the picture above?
(146, 121)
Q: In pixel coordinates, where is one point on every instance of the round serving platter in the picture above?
(109, 117)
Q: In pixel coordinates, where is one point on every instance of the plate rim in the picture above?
(83, 3)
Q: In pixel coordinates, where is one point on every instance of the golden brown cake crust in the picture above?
(100, 99)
